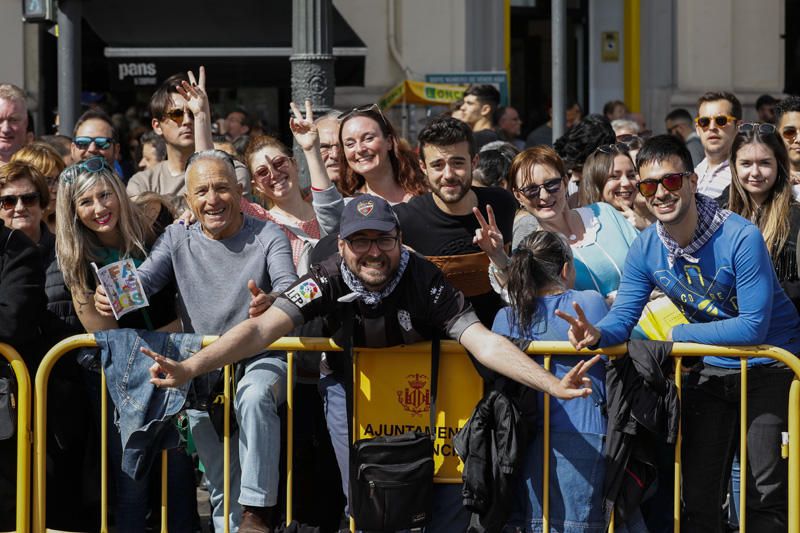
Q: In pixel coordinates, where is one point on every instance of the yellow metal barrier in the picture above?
(23, 436)
(680, 350)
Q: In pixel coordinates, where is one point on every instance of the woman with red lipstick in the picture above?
(275, 178)
(761, 191)
(98, 223)
(609, 175)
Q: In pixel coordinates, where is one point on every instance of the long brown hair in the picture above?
(773, 216)
(596, 170)
(405, 163)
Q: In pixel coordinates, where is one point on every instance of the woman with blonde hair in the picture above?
(98, 223)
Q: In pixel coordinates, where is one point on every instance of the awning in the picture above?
(246, 43)
(420, 92)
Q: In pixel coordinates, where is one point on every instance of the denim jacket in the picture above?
(143, 412)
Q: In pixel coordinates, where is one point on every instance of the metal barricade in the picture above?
(23, 405)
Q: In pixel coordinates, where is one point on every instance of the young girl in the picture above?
(98, 223)
(540, 280)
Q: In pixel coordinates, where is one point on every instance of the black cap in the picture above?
(367, 212)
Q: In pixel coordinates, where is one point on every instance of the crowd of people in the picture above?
(472, 233)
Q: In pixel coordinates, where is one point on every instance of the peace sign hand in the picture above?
(166, 372)
(194, 93)
(304, 129)
(489, 237)
(575, 384)
(582, 333)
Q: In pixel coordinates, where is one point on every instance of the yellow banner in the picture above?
(423, 93)
(393, 395)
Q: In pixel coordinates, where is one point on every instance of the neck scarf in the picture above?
(709, 219)
(372, 298)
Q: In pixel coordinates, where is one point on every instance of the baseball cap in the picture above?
(367, 212)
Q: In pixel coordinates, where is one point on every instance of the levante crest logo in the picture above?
(416, 398)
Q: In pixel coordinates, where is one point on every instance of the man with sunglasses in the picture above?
(788, 114)
(174, 120)
(715, 267)
(717, 116)
(395, 297)
(94, 135)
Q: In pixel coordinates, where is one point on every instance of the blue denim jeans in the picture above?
(577, 471)
(710, 417)
(255, 457)
(448, 515)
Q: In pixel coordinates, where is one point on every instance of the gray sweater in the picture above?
(212, 276)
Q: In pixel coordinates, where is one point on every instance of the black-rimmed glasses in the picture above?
(361, 245)
(671, 182)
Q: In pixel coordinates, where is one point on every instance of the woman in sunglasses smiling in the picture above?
(98, 223)
(598, 234)
(275, 178)
(761, 191)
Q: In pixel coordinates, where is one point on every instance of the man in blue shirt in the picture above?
(715, 267)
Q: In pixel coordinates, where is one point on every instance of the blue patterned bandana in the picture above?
(369, 297)
(709, 219)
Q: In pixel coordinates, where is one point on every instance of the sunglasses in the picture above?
(611, 149)
(91, 165)
(671, 182)
(279, 163)
(531, 192)
(720, 120)
(789, 134)
(363, 109)
(83, 143)
(762, 128)
(176, 115)
(9, 201)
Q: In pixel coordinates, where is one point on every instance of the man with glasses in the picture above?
(13, 121)
(717, 116)
(788, 113)
(94, 135)
(174, 121)
(679, 123)
(395, 297)
(715, 267)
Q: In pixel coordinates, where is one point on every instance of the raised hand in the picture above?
(260, 300)
(166, 372)
(636, 220)
(575, 384)
(194, 93)
(489, 237)
(582, 333)
(304, 129)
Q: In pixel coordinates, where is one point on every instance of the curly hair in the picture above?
(405, 163)
(583, 139)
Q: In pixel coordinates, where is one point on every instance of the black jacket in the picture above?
(22, 299)
(492, 444)
(643, 408)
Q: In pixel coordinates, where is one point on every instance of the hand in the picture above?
(194, 93)
(304, 129)
(187, 218)
(489, 237)
(575, 384)
(637, 221)
(260, 301)
(166, 372)
(581, 332)
(101, 302)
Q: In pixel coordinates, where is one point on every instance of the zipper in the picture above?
(410, 467)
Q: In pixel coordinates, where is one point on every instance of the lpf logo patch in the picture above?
(365, 207)
(416, 398)
(304, 293)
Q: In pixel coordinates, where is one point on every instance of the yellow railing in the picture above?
(290, 344)
(23, 399)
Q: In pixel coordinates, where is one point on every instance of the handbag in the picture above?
(391, 478)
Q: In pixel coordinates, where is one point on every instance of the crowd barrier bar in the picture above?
(23, 399)
(548, 349)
